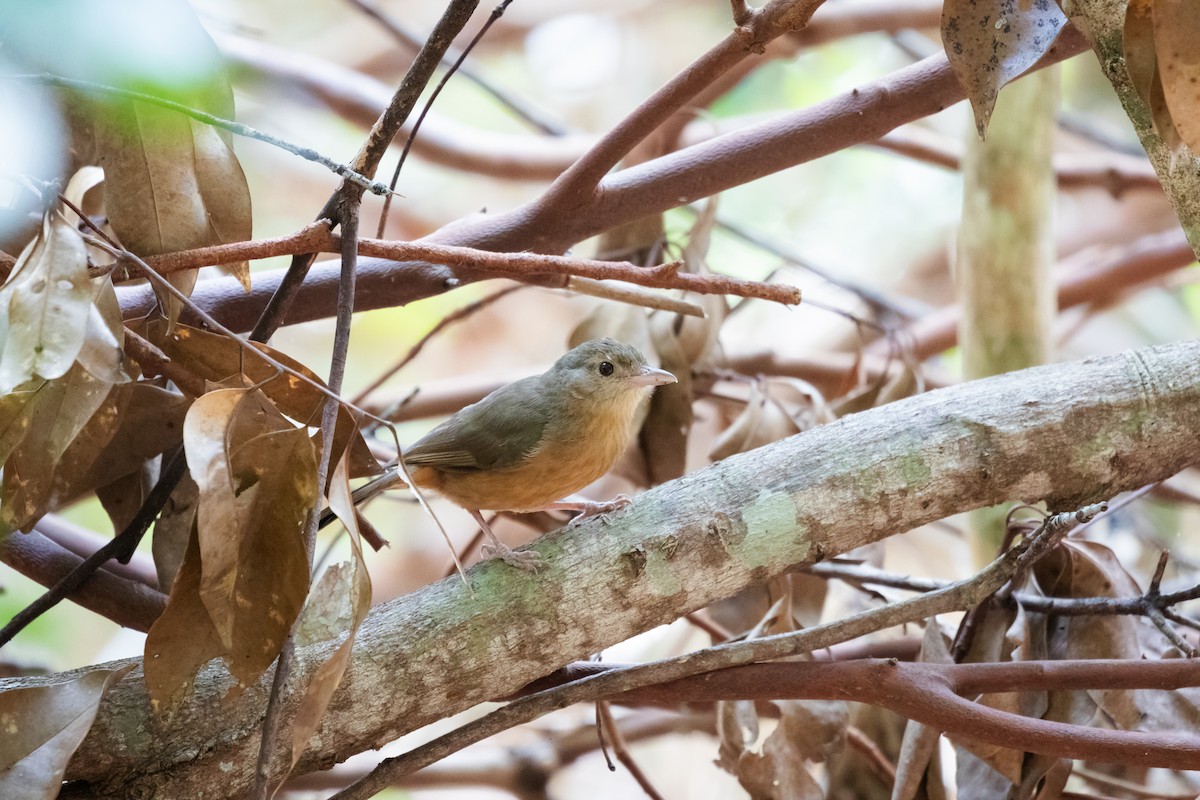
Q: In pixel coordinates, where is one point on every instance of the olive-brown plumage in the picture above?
(534, 441)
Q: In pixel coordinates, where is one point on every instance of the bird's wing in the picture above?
(497, 432)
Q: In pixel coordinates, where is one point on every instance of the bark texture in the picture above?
(1069, 433)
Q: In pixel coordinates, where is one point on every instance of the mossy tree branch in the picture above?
(1068, 433)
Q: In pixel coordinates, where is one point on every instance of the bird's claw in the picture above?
(600, 509)
(526, 560)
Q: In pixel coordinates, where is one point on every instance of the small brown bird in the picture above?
(530, 443)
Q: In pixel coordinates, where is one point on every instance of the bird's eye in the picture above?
(606, 368)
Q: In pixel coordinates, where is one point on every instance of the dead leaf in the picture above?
(780, 771)
(1177, 44)
(102, 352)
(44, 306)
(1141, 61)
(338, 605)
(58, 412)
(256, 474)
(761, 421)
(919, 743)
(123, 498)
(226, 195)
(16, 416)
(182, 640)
(664, 432)
(173, 530)
(43, 725)
(991, 42)
(215, 358)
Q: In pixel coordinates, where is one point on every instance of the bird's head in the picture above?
(605, 369)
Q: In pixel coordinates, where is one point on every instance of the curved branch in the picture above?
(126, 602)
(861, 115)
(1109, 424)
(929, 694)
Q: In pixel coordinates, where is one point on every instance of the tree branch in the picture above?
(1109, 424)
(856, 117)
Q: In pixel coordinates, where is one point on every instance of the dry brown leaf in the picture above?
(991, 42)
(123, 498)
(136, 422)
(103, 353)
(762, 421)
(216, 358)
(919, 743)
(182, 640)
(173, 530)
(256, 473)
(44, 306)
(42, 727)
(56, 415)
(780, 771)
(664, 432)
(337, 605)
(225, 194)
(16, 409)
(1141, 62)
(1177, 44)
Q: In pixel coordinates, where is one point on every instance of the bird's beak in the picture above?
(649, 376)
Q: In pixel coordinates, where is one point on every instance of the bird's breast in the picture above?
(571, 455)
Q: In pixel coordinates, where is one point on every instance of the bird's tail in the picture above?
(377, 485)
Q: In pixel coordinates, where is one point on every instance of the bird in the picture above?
(534, 441)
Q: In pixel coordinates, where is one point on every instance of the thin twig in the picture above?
(632, 296)
(367, 160)
(620, 747)
(306, 153)
(121, 548)
(348, 217)
(520, 266)
(445, 322)
(437, 90)
(516, 105)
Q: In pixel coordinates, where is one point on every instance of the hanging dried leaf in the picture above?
(56, 415)
(991, 42)
(780, 771)
(44, 307)
(761, 421)
(16, 409)
(256, 474)
(919, 743)
(122, 498)
(226, 195)
(182, 640)
(215, 358)
(134, 423)
(1141, 61)
(102, 353)
(1177, 44)
(43, 725)
(665, 431)
(173, 530)
(338, 605)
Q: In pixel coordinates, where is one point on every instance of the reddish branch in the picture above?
(1086, 277)
(930, 694)
(126, 602)
(857, 117)
(317, 238)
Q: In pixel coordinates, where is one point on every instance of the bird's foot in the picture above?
(600, 509)
(526, 560)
